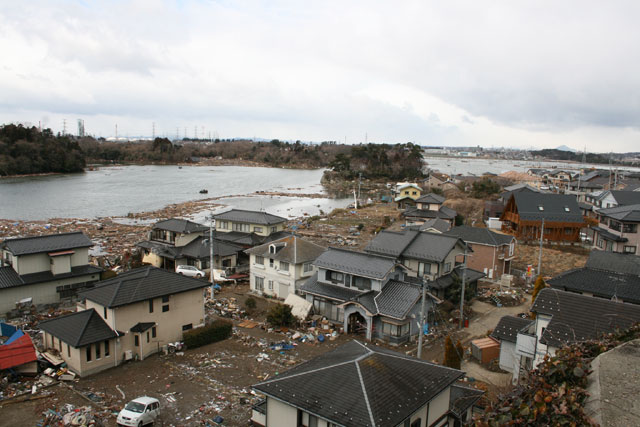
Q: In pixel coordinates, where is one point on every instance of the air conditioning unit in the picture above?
(128, 355)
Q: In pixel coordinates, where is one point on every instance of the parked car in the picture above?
(191, 271)
(139, 412)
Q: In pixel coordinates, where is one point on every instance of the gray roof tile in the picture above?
(9, 278)
(378, 387)
(554, 207)
(443, 213)
(391, 243)
(629, 213)
(431, 198)
(625, 198)
(483, 236)
(79, 329)
(578, 317)
(290, 249)
(462, 398)
(358, 263)
(611, 261)
(46, 243)
(140, 284)
(252, 217)
(601, 283)
(182, 226)
(430, 246)
(397, 299)
(508, 327)
(340, 293)
(437, 224)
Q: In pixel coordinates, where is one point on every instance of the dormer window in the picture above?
(272, 249)
(566, 209)
(540, 207)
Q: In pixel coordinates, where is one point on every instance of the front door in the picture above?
(357, 324)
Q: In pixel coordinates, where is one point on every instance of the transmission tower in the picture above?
(80, 128)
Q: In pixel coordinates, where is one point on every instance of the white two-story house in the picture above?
(44, 268)
(279, 268)
(130, 316)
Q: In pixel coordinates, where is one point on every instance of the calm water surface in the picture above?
(116, 191)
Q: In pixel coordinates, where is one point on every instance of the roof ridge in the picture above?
(84, 328)
(364, 392)
(42, 236)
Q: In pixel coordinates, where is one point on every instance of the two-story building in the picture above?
(435, 180)
(567, 317)
(429, 207)
(243, 221)
(492, 252)
(506, 333)
(130, 316)
(406, 194)
(44, 268)
(525, 213)
(280, 267)
(617, 229)
(359, 385)
(367, 294)
(432, 256)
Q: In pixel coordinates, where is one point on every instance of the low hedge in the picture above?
(214, 332)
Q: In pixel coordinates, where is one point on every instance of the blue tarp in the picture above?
(14, 337)
(7, 330)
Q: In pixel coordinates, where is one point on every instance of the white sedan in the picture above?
(191, 271)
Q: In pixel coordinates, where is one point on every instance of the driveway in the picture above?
(489, 316)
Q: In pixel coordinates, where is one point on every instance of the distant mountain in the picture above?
(565, 148)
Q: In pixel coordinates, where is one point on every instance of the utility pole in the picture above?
(422, 304)
(359, 183)
(540, 252)
(464, 276)
(211, 225)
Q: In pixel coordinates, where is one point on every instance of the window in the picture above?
(447, 267)
(53, 343)
(270, 285)
(615, 225)
(307, 267)
(257, 229)
(511, 247)
(68, 350)
(540, 207)
(417, 423)
(105, 312)
(274, 229)
(271, 262)
(395, 330)
(335, 277)
(89, 353)
(260, 260)
(246, 228)
(153, 332)
(566, 209)
(151, 305)
(284, 266)
(147, 336)
(136, 340)
(568, 231)
(187, 327)
(629, 249)
(362, 283)
(106, 348)
(98, 351)
(259, 283)
(629, 228)
(423, 268)
(222, 225)
(165, 308)
(165, 299)
(414, 193)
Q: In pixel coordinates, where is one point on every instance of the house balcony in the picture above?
(526, 344)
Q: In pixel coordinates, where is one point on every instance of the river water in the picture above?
(116, 191)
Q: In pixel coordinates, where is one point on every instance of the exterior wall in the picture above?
(376, 284)
(542, 322)
(26, 264)
(76, 357)
(185, 239)
(509, 360)
(60, 264)
(184, 308)
(264, 230)
(631, 246)
(42, 293)
(281, 414)
(438, 406)
(284, 282)
(153, 259)
(489, 259)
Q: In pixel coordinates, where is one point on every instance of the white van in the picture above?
(139, 412)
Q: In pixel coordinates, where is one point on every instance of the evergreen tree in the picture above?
(451, 357)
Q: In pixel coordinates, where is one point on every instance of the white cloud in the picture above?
(462, 73)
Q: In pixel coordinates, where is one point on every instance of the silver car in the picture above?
(139, 412)
(191, 271)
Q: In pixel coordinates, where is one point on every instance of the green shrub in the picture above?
(280, 315)
(217, 331)
(250, 303)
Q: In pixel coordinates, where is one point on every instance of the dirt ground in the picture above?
(211, 380)
(555, 259)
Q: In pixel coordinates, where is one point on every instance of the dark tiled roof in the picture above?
(462, 398)
(358, 263)
(252, 217)
(554, 207)
(161, 249)
(182, 226)
(8, 280)
(368, 301)
(199, 249)
(443, 282)
(606, 284)
(431, 246)
(79, 329)
(508, 327)
(397, 298)
(290, 249)
(577, 317)
(606, 234)
(140, 284)
(483, 236)
(377, 387)
(443, 213)
(248, 239)
(340, 293)
(625, 198)
(142, 326)
(623, 213)
(431, 198)
(611, 261)
(47, 243)
(391, 243)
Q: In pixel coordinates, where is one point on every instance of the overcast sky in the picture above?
(512, 73)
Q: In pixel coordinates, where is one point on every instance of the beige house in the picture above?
(138, 312)
(44, 268)
(244, 221)
(343, 388)
(280, 267)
